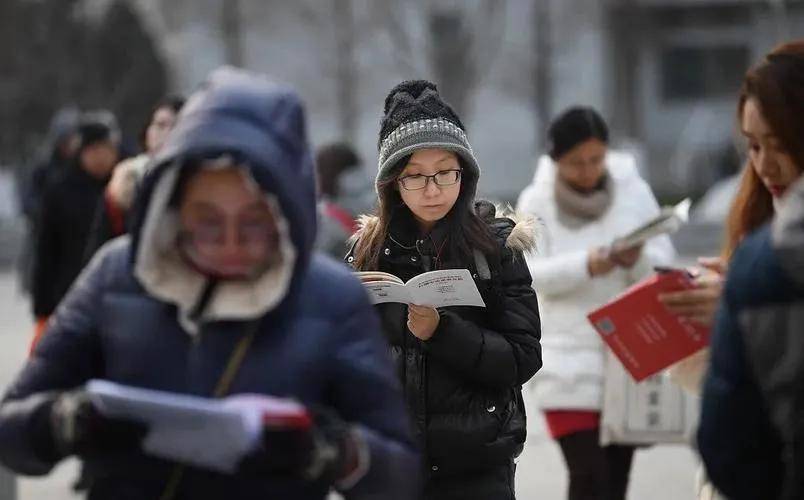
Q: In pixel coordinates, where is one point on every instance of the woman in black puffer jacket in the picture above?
(462, 367)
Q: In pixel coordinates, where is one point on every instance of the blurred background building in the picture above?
(663, 72)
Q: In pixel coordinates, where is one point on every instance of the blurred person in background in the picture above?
(60, 147)
(585, 196)
(752, 410)
(111, 216)
(356, 192)
(217, 291)
(67, 210)
(771, 132)
(336, 223)
(770, 111)
(462, 368)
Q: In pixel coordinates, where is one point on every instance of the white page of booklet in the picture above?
(446, 287)
(210, 433)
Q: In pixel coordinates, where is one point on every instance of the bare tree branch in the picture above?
(346, 79)
(232, 30)
(542, 75)
(401, 46)
(489, 32)
(310, 12)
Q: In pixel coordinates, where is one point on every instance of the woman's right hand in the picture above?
(599, 262)
(78, 428)
(700, 303)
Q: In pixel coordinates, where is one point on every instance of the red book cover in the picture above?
(641, 331)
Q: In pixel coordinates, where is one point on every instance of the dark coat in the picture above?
(463, 385)
(751, 435)
(106, 225)
(62, 231)
(320, 345)
(32, 187)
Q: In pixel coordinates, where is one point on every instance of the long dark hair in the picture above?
(777, 83)
(466, 231)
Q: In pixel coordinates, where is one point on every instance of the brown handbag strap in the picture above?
(221, 389)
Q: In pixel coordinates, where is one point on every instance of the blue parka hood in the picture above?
(259, 124)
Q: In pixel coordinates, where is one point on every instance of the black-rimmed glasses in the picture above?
(440, 178)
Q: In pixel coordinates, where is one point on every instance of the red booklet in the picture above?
(641, 331)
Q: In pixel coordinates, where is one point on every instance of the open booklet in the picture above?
(210, 433)
(446, 287)
(669, 220)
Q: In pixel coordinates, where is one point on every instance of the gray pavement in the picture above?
(659, 473)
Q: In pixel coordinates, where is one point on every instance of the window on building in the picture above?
(692, 73)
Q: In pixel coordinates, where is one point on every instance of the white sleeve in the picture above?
(551, 274)
(560, 273)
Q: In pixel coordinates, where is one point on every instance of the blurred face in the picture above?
(767, 155)
(583, 166)
(68, 146)
(430, 184)
(99, 159)
(228, 229)
(162, 122)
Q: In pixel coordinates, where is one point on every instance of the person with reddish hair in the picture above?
(770, 114)
(752, 416)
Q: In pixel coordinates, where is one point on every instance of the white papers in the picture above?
(669, 220)
(447, 287)
(209, 433)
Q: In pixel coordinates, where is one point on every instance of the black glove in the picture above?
(325, 452)
(78, 428)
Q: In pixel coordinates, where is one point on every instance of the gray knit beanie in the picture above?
(415, 117)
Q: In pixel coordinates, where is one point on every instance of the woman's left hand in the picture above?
(422, 321)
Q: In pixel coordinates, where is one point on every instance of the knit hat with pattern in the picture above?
(415, 117)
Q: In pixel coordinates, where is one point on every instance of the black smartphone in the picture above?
(670, 269)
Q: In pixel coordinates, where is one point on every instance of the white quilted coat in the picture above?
(572, 376)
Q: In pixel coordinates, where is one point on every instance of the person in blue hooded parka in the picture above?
(217, 292)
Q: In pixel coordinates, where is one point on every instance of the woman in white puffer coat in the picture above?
(585, 196)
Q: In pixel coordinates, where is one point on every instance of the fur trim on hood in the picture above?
(523, 234)
(163, 272)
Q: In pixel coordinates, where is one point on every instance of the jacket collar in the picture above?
(522, 236)
(404, 232)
